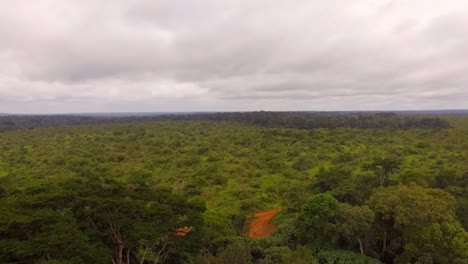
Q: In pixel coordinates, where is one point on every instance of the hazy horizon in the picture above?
(116, 113)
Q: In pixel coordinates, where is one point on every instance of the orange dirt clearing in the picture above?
(262, 225)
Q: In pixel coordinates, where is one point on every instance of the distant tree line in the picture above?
(297, 120)
(20, 122)
(309, 120)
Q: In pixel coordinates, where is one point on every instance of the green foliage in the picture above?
(234, 254)
(35, 228)
(418, 224)
(301, 255)
(147, 179)
(462, 210)
(354, 224)
(219, 231)
(316, 221)
(88, 220)
(385, 168)
(330, 179)
(338, 257)
(298, 120)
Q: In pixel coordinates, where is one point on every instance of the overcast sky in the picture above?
(59, 56)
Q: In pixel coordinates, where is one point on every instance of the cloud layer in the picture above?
(93, 56)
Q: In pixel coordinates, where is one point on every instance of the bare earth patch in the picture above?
(262, 225)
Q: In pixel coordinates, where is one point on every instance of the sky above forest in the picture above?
(228, 55)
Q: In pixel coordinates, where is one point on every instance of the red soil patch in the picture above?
(262, 224)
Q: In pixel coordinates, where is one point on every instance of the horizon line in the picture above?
(222, 111)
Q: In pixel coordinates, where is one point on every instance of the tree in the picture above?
(131, 218)
(35, 226)
(93, 220)
(316, 221)
(329, 179)
(301, 255)
(354, 224)
(418, 224)
(233, 254)
(218, 232)
(385, 167)
(341, 256)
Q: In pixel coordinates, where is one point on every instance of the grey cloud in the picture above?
(231, 55)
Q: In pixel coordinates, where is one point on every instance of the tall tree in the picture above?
(415, 224)
(316, 221)
(96, 220)
(354, 224)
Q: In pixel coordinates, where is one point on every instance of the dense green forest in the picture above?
(377, 188)
(299, 120)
